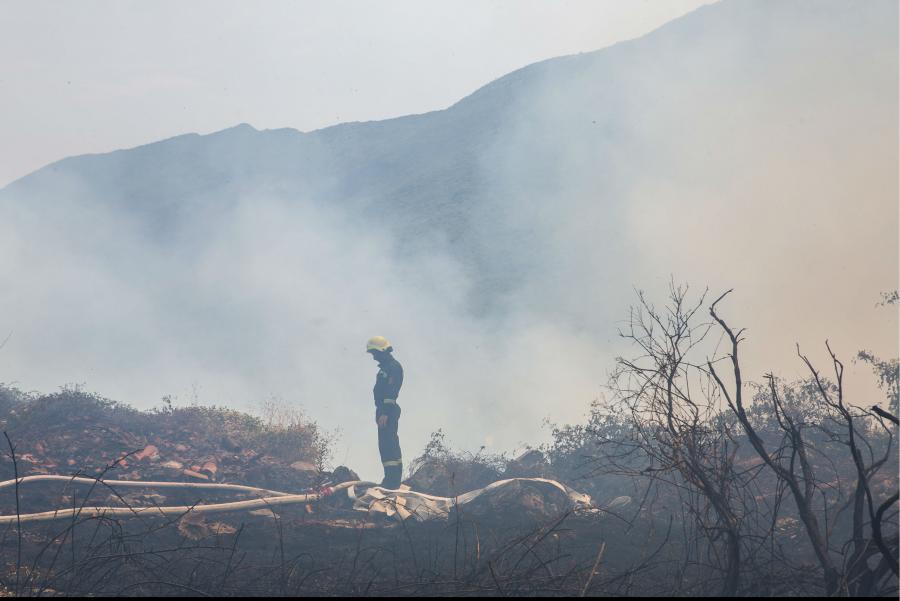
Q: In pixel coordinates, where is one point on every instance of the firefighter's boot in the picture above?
(393, 474)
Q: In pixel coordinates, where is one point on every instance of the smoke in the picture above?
(762, 157)
(749, 146)
(273, 297)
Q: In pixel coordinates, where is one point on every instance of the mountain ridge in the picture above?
(506, 79)
(748, 145)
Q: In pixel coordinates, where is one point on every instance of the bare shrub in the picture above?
(439, 470)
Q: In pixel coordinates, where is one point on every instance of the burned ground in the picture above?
(648, 533)
(74, 432)
(518, 542)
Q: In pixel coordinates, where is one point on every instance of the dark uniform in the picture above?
(386, 391)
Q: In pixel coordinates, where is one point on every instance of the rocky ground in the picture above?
(74, 433)
(518, 540)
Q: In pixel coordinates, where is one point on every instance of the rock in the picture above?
(175, 465)
(619, 502)
(430, 476)
(343, 474)
(148, 452)
(522, 500)
(531, 463)
(304, 466)
(195, 527)
(210, 468)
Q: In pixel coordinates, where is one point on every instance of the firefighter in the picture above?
(387, 411)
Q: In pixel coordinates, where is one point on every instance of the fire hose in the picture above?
(272, 498)
(401, 504)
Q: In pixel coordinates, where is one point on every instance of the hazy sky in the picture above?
(95, 76)
(692, 174)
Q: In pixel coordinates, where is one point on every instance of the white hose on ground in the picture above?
(142, 484)
(277, 498)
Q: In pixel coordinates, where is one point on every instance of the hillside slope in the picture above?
(512, 145)
(748, 144)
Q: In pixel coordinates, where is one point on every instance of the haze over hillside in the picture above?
(748, 145)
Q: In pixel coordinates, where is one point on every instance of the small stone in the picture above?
(149, 452)
(304, 466)
(194, 474)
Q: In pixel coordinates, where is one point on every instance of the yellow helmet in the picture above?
(378, 343)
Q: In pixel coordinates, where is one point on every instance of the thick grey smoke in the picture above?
(749, 146)
(761, 157)
(276, 298)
